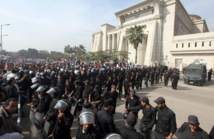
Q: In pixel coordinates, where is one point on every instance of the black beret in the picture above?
(160, 100)
(145, 99)
(192, 119)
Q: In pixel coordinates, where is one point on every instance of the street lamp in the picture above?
(1, 37)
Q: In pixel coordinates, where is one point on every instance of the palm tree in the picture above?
(135, 36)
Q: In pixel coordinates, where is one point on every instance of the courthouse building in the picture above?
(173, 37)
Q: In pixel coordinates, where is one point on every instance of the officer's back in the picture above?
(105, 120)
(166, 120)
(191, 130)
(128, 131)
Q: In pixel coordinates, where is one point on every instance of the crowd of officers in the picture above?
(89, 93)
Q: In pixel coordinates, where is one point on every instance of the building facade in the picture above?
(173, 37)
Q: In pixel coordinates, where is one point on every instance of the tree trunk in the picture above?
(135, 55)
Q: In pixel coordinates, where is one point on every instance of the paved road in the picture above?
(186, 100)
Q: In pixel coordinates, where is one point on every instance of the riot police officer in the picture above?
(148, 119)
(210, 72)
(105, 121)
(63, 121)
(132, 101)
(165, 122)
(87, 128)
(191, 129)
(166, 78)
(129, 131)
(175, 78)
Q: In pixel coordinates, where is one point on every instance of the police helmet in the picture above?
(40, 89)
(51, 91)
(87, 117)
(113, 136)
(11, 76)
(61, 105)
(34, 80)
(34, 86)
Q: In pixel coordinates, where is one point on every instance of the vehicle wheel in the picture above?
(187, 82)
(200, 84)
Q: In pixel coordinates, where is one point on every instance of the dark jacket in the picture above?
(130, 103)
(105, 123)
(211, 134)
(148, 120)
(11, 91)
(7, 125)
(62, 127)
(44, 104)
(165, 122)
(184, 132)
(91, 134)
(130, 133)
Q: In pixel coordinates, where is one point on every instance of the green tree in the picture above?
(32, 53)
(22, 53)
(76, 51)
(67, 49)
(43, 54)
(135, 36)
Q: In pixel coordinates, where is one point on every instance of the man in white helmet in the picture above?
(63, 121)
(87, 126)
(11, 88)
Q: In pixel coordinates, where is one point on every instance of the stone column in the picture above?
(110, 44)
(113, 42)
(151, 41)
(109, 41)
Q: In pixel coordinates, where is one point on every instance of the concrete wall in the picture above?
(105, 28)
(193, 47)
(97, 42)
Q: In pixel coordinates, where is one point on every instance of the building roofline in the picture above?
(132, 7)
(97, 32)
(183, 8)
(206, 26)
(106, 24)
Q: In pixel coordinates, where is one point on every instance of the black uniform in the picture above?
(50, 116)
(210, 74)
(175, 78)
(184, 132)
(113, 96)
(211, 134)
(147, 122)
(90, 134)
(44, 104)
(120, 83)
(130, 103)
(130, 133)
(11, 91)
(165, 123)
(105, 123)
(166, 78)
(62, 126)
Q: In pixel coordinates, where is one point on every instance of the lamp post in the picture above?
(1, 44)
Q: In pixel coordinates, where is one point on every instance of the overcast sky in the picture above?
(52, 24)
